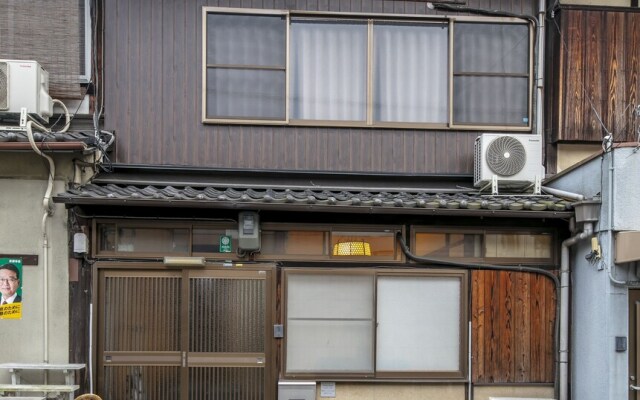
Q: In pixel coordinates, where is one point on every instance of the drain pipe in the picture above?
(47, 204)
(586, 212)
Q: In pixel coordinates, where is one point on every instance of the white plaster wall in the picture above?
(626, 187)
(22, 187)
(609, 3)
(513, 391)
(400, 391)
(599, 310)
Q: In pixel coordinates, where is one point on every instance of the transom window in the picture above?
(288, 68)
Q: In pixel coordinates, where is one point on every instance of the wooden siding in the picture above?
(512, 319)
(599, 56)
(153, 99)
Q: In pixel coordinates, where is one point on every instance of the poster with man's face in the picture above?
(10, 288)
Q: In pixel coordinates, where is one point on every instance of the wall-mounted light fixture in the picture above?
(184, 261)
(352, 248)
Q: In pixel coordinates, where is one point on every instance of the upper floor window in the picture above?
(286, 68)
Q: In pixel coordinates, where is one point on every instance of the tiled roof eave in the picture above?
(314, 201)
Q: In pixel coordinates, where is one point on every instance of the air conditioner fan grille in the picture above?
(506, 156)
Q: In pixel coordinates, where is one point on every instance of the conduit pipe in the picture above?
(563, 351)
(540, 69)
(563, 194)
(428, 262)
(47, 204)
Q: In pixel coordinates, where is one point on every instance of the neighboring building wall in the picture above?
(600, 307)
(22, 187)
(592, 77)
(572, 154)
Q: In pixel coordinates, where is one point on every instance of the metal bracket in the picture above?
(537, 186)
(23, 116)
(494, 184)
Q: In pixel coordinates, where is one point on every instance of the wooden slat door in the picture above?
(188, 334)
(228, 353)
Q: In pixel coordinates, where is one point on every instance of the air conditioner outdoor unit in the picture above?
(24, 84)
(508, 160)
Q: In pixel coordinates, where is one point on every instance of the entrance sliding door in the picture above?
(189, 334)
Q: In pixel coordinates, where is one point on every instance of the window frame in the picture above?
(370, 19)
(453, 74)
(459, 375)
(330, 230)
(550, 262)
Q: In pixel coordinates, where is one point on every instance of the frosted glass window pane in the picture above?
(497, 48)
(329, 296)
(245, 93)
(294, 242)
(236, 39)
(329, 346)
(329, 323)
(328, 70)
(518, 245)
(491, 100)
(410, 73)
(418, 323)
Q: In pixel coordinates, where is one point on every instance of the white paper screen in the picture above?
(329, 323)
(418, 323)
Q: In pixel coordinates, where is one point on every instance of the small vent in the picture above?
(506, 156)
(4, 86)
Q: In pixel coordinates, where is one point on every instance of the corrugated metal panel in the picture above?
(227, 315)
(226, 384)
(142, 383)
(137, 306)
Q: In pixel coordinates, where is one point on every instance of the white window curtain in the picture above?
(410, 73)
(418, 320)
(329, 323)
(328, 73)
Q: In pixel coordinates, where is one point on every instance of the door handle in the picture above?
(632, 387)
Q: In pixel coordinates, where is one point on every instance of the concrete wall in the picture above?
(440, 391)
(22, 187)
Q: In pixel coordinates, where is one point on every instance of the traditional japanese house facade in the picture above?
(295, 204)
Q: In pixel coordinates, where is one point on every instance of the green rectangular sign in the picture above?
(225, 244)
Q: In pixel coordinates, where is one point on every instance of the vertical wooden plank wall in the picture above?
(153, 88)
(512, 320)
(598, 79)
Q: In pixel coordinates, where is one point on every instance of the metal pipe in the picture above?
(563, 194)
(540, 69)
(563, 351)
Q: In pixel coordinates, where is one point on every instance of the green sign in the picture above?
(225, 244)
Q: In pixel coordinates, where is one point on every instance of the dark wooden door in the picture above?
(188, 334)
